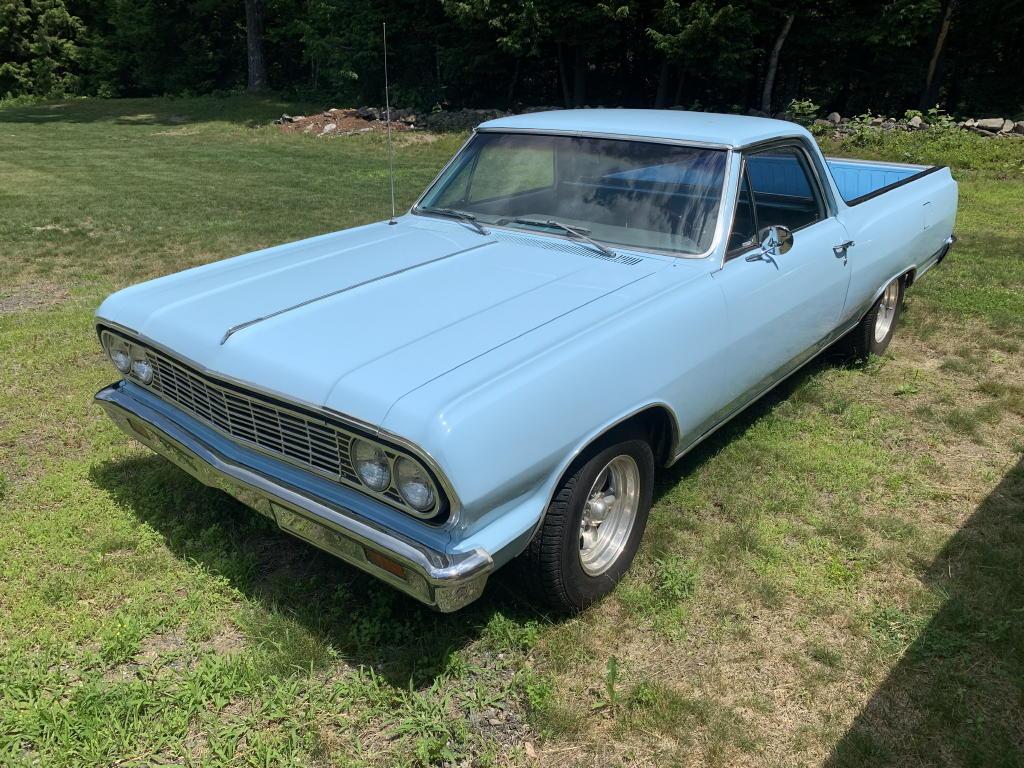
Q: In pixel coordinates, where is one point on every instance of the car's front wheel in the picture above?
(593, 526)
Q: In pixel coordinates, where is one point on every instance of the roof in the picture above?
(699, 127)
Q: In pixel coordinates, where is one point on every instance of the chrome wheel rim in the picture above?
(608, 514)
(887, 311)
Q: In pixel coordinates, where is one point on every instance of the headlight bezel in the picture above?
(380, 457)
(392, 490)
(135, 353)
(414, 467)
(114, 344)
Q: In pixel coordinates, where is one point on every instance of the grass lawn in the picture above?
(837, 578)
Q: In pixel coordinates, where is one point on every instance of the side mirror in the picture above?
(775, 241)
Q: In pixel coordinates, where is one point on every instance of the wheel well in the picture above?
(656, 423)
(660, 427)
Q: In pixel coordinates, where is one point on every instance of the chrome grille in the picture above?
(292, 433)
(312, 443)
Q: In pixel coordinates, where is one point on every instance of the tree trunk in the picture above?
(579, 78)
(773, 65)
(566, 98)
(512, 83)
(661, 97)
(254, 41)
(933, 64)
(677, 100)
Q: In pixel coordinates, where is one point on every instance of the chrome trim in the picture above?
(607, 135)
(236, 328)
(859, 161)
(757, 145)
(368, 430)
(443, 580)
(715, 241)
(235, 414)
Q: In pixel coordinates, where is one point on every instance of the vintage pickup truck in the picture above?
(578, 298)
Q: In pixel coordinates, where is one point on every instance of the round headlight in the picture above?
(414, 484)
(371, 464)
(119, 351)
(142, 369)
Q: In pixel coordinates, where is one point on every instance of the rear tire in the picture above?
(592, 528)
(873, 333)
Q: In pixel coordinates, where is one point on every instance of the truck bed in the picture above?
(860, 180)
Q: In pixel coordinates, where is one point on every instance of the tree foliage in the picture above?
(849, 55)
(39, 47)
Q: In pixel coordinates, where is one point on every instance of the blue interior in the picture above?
(858, 179)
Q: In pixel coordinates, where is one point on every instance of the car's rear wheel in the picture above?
(873, 333)
(593, 526)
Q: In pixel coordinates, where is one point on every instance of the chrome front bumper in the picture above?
(446, 582)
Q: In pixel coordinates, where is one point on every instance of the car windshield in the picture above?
(634, 194)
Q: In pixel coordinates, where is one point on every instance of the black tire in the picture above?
(861, 342)
(551, 563)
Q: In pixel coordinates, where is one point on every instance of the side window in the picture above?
(783, 190)
(503, 171)
(743, 234)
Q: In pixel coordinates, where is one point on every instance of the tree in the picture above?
(707, 41)
(773, 64)
(254, 13)
(946, 17)
(519, 28)
(39, 47)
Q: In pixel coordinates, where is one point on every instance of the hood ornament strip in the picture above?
(236, 328)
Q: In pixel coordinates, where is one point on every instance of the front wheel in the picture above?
(593, 527)
(873, 333)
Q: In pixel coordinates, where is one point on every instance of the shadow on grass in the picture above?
(338, 609)
(238, 109)
(956, 697)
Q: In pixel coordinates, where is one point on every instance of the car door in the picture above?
(781, 307)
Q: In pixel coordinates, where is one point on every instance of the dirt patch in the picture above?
(227, 642)
(31, 296)
(172, 652)
(155, 649)
(341, 122)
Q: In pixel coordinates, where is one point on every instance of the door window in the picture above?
(784, 191)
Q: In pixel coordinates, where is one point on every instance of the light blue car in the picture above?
(579, 297)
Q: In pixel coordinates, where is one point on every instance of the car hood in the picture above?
(356, 319)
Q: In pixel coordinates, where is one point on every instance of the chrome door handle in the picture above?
(841, 249)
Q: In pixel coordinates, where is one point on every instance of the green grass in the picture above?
(837, 577)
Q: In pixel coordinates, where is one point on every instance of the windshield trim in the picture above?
(416, 210)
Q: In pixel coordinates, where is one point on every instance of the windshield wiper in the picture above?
(578, 232)
(452, 213)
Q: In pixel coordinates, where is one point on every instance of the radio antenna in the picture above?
(387, 115)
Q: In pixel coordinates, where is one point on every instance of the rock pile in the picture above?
(990, 126)
(343, 122)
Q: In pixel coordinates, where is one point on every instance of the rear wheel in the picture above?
(593, 527)
(873, 333)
